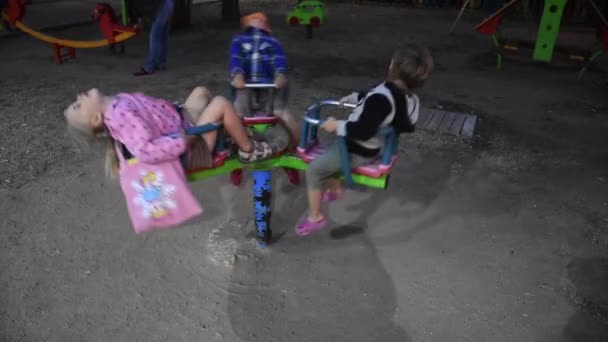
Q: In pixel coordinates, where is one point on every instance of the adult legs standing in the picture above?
(159, 40)
(164, 48)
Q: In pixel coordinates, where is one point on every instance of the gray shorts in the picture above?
(247, 103)
(328, 165)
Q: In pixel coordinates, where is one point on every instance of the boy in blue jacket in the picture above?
(257, 57)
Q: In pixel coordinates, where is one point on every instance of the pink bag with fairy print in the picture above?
(157, 195)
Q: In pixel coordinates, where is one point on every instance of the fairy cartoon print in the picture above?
(153, 195)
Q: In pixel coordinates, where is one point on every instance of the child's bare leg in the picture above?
(197, 102)
(335, 186)
(281, 111)
(314, 205)
(290, 122)
(241, 102)
(220, 110)
(319, 171)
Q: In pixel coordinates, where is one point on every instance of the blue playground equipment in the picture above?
(224, 162)
(373, 175)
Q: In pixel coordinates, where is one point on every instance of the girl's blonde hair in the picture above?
(112, 164)
(411, 64)
(84, 136)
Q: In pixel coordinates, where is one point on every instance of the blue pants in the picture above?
(159, 37)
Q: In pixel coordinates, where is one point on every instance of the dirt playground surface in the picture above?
(503, 238)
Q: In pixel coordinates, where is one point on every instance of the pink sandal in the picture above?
(330, 196)
(306, 226)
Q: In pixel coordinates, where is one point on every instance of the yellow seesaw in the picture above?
(70, 45)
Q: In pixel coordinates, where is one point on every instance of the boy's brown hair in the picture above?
(411, 64)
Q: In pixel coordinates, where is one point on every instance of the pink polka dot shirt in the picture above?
(143, 124)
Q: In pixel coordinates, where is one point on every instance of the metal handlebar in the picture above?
(315, 122)
(323, 103)
(260, 85)
(327, 103)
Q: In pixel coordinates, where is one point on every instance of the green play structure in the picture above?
(544, 48)
(548, 30)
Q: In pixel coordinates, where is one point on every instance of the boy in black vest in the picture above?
(391, 103)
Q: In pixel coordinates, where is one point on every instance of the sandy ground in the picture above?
(500, 239)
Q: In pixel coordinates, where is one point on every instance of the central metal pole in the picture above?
(262, 179)
(262, 205)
